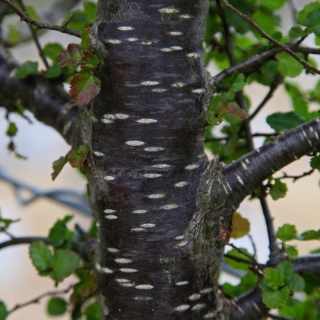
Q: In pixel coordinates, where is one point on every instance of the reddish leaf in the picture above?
(90, 61)
(77, 157)
(71, 57)
(231, 109)
(57, 166)
(240, 226)
(84, 87)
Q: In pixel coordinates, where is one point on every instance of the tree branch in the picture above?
(39, 24)
(84, 249)
(255, 62)
(265, 35)
(48, 102)
(248, 172)
(23, 240)
(70, 198)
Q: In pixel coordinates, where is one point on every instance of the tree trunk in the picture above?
(146, 130)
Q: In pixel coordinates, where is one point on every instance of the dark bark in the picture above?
(147, 159)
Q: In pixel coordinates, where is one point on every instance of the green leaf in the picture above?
(26, 69)
(309, 235)
(273, 278)
(64, 263)
(90, 9)
(292, 252)
(93, 312)
(247, 282)
(286, 269)
(315, 162)
(32, 13)
(277, 35)
(273, 4)
(274, 298)
(71, 57)
(40, 256)
(305, 310)
(236, 82)
(12, 129)
(287, 232)
(288, 65)
(52, 50)
(85, 38)
(235, 264)
(312, 282)
(266, 20)
(296, 283)
(5, 223)
(58, 233)
(307, 9)
(297, 32)
(84, 87)
(3, 311)
(278, 190)
(240, 226)
(13, 35)
(56, 306)
(77, 157)
(313, 18)
(53, 72)
(284, 121)
(90, 61)
(57, 166)
(87, 285)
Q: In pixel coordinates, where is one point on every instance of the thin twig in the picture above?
(70, 198)
(274, 85)
(275, 254)
(238, 259)
(265, 35)
(253, 246)
(227, 35)
(82, 233)
(37, 299)
(67, 20)
(242, 251)
(295, 178)
(35, 38)
(40, 24)
(11, 236)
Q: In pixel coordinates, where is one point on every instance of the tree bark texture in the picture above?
(148, 160)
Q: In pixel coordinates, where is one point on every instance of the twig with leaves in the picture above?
(41, 25)
(37, 299)
(268, 37)
(35, 37)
